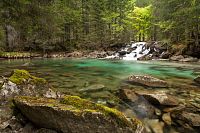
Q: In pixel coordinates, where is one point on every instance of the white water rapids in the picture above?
(131, 52)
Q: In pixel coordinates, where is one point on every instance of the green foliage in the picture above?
(53, 25)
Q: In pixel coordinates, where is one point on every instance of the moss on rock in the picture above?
(80, 110)
(22, 76)
(83, 104)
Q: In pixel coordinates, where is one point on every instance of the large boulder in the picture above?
(158, 98)
(75, 115)
(147, 81)
(21, 82)
(137, 103)
(187, 119)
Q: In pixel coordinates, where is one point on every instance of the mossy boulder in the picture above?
(23, 76)
(74, 114)
(21, 82)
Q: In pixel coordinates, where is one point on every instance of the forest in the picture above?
(99, 66)
(67, 25)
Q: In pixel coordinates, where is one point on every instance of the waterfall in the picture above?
(131, 52)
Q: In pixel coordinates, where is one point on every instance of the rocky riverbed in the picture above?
(30, 104)
(38, 107)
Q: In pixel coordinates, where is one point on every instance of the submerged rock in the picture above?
(154, 125)
(167, 118)
(73, 114)
(93, 88)
(137, 103)
(197, 79)
(147, 81)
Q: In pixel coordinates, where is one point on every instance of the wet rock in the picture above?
(128, 95)
(12, 125)
(122, 53)
(188, 118)
(178, 108)
(131, 49)
(158, 112)
(189, 59)
(27, 64)
(154, 125)
(21, 82)
(176, 58)
(51, 94)
(145, 58)
(159, 98)
(28, 128)
(129, 113)
(137, 103)
(147, 81)
(165, 55)
(96, 54)
(75, 54)
(9, 89)
(44, 130)
(93, 88)
(167, 118)
(73, 114)
(197, 79)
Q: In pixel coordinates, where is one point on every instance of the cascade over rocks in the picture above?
(73, 114)
(147, 81)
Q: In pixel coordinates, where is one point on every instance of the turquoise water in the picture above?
(71, 75)
(104, 77)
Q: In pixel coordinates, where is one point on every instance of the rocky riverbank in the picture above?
(38, 108)
(30, 104)
(133, 51)
(75, 54)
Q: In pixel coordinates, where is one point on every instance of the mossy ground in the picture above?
(22, 76)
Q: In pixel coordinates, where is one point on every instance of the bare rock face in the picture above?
(147, 81)
(75, 115)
